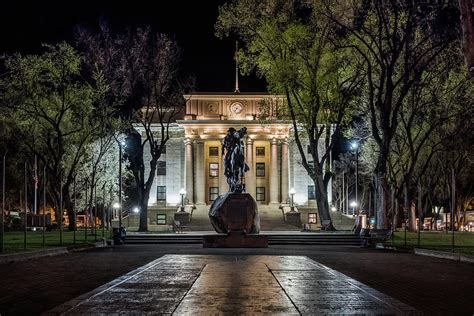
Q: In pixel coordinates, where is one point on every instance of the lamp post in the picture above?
(292, 200)
(121, 144)
(353, 205)
(182, 192)
(116, 207)
(355, 146)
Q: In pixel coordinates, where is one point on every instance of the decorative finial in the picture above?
(237, 90)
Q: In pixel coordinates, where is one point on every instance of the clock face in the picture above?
(236, 107)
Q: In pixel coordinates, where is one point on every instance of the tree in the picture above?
(53, 113)
(143, 68)
(396, 41)
(467, 19)
(291, 45)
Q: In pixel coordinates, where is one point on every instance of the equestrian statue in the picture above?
(234, 159)
(236, 211)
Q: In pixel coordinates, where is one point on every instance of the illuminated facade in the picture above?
(193, 157)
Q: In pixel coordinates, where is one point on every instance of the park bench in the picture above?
(177, 227)
(376, 237)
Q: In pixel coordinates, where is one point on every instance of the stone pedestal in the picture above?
(235, 240)
(293, 218)
(182, 217)
(235, 212)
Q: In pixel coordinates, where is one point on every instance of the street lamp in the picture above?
(116, 207)
(136, 210)
(121, 144)
(355, 146)
(182, 192)
(353, 205)
(292, 201)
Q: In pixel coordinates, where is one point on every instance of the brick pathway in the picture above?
(431, 285)
(217, 284)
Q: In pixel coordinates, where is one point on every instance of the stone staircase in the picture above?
(274, 238)
(271, 219)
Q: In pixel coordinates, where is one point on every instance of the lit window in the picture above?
(260, 193)
(213, 170)
(161, 168)
(311, 192)
(161, 219)
(213, 151)
(260, 169)
(312, 219)
(213, 193)
(161, 193)
(260, 151)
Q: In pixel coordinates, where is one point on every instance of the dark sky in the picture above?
(24, 26)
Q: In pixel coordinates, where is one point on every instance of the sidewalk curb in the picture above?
(14, 257)
(444, 255)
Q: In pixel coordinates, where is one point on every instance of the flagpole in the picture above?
(74, 211)
(26, 205)
(3, 205)
(35, 175)
(61, 209)
(44, 205)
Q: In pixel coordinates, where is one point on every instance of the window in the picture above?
(260, 193)
(161, 193)
(213, 151)
(260, 169)
(213, 170)
(312, 219)
(311, 192)
(260, 151)
(213, 193)
(161, 168)
(161, 219)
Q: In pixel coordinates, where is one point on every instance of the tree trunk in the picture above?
(412, 216)
(383, 198)
(323, 205)
(70, 212)
(143, 227)
(467, 19)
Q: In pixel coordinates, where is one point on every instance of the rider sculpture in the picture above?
(234, 159)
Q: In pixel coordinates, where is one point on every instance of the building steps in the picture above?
(286, 238)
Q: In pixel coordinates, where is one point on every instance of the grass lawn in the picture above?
(14, 241)
(463, 241)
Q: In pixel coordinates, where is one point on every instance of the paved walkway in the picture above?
(226, 284)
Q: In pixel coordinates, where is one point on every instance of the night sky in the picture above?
(25, 26)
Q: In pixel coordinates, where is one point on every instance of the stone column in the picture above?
(250, 175)
(188, 143)
(274, 188)
(284, 171)
(200, 173)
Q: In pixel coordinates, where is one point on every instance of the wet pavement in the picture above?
(228, 284)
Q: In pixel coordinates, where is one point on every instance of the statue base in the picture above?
(235, 212)
(235, 240)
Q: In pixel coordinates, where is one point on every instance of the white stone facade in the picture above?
(193, 154)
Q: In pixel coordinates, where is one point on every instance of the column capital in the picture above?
(274, 141)
(249, 141)
(188, 141)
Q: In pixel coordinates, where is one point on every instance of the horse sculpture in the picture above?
(235, 212)
(234, 159)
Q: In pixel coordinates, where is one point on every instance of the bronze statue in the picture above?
(234, 159)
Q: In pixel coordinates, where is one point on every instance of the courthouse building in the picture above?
(192, 161)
